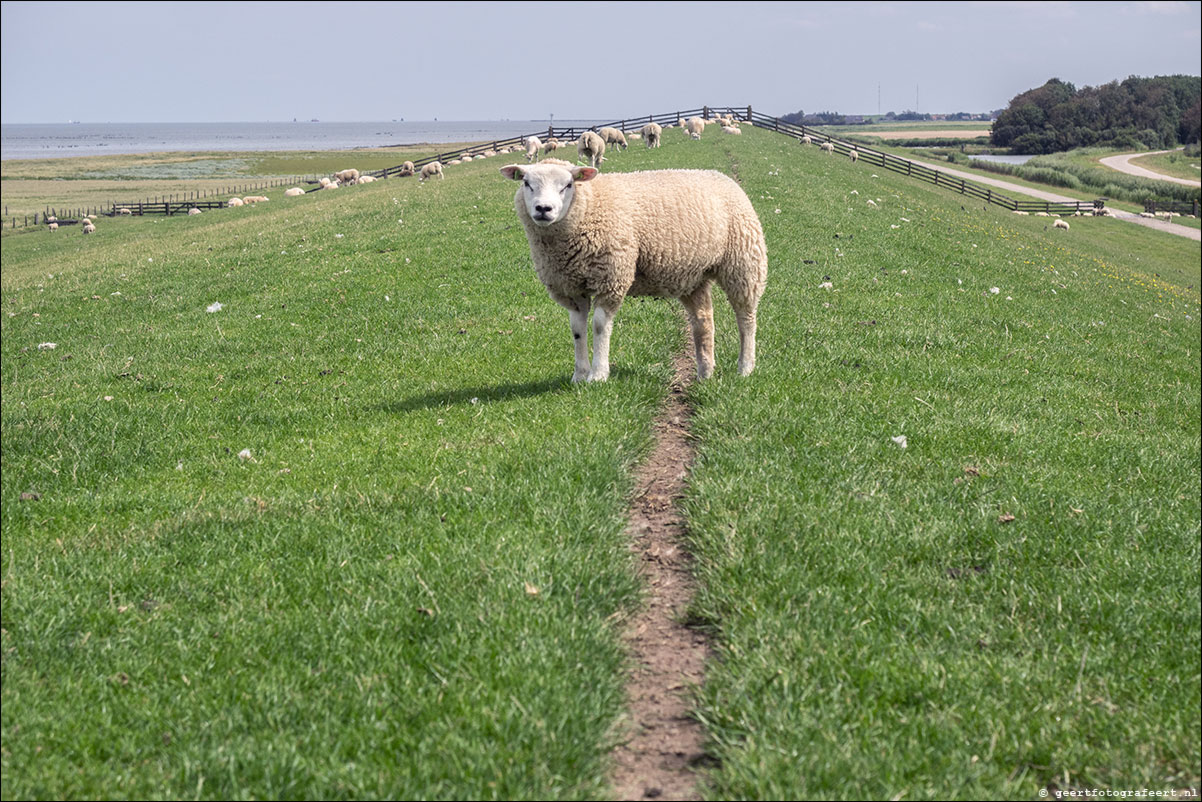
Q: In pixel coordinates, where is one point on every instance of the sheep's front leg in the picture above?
(578, 319)
(603, 325)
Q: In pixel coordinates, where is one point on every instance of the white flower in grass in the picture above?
(900, 440)
(47, 346)
(994, 290)
(337, 236)
(213, 307)
(826, 285)
(245, 455)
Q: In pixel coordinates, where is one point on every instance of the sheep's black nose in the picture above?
(542, 209)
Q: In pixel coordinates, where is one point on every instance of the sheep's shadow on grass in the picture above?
(487, 395)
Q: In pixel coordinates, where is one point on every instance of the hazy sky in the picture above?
(518, 59)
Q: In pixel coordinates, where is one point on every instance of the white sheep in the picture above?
(533, 146)
(454, 162)
(595, 239)
(88, 228)
(366, 179)
(53, 226)
(806, 140)
(124, 211)
(829, 147)
(652, 132)
(590, 146)
(695, 125)
(430, 170)
(553, 145)
(253, 199)
(294, 192)
(853, 154)
(235, 202)
(325, 182)
(613, 136)
(347, 177)
(193, 210)
(407, 169)
(730, 129)
(694, 135)
(1061, 224)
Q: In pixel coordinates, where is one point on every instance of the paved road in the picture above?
(1159, 225)
(1122, 163)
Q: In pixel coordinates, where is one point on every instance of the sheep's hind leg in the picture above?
(700, 308)
(746, 319)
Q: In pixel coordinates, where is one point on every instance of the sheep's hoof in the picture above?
(598, 377)
(579, 376)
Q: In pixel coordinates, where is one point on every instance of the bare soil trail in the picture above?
(665, 744)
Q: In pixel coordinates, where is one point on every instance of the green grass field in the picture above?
(412, 582)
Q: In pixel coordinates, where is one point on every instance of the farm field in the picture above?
(918, 129)
(33, 185)
(355, 535)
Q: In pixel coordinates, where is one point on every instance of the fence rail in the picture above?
(920, 171)
(1176, 207)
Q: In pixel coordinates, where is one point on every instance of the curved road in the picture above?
(1159, 225)
(1122, 163)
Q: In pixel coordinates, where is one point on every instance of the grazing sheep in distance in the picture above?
(1061, 224)
(829, 147)
(730, 129)
(430, 170)
(407, 169)
(613, 136)
(695, 125)
(590, 146)
(652, 132)
(124, 211)
(595, 239)
(194, 210)
(533, 146)
(53, 226)
(88, 228)
(293, 192)
(806, 140)
(853, 154)
(251, 199)
(552, 145)
(235, 202)
(348, 177)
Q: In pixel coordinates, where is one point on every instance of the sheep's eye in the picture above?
(526, 184)
(566, 188)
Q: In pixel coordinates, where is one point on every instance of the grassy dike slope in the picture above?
(1011, 601)
(410, 589)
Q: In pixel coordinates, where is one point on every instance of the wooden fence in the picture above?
(876, 158)
(1176, 207)
(897, 164)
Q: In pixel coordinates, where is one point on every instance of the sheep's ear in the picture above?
(513, 171)
(584, 173)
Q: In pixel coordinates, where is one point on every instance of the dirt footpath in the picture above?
(1122, 163)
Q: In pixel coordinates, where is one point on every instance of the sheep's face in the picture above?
(547, 189)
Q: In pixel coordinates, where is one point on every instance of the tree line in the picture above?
(1154, 113)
